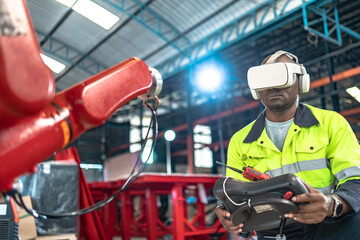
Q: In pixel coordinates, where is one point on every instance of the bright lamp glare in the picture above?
(169, 135)
(209, 78)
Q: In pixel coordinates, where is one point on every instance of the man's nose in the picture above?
(273, 89)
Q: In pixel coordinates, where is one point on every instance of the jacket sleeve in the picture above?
(344, 156)
(343, 151)
(350, 191)
(234, 159)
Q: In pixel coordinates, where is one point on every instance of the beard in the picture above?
(281, 106)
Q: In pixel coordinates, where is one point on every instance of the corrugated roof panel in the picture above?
(190, 14)
(73, 77)
(45, 14)
(186, 13)
(76, 31)
(161, 56)
(132, 41)
(194, 15)
(79, 32)
(221, 19)
(191, 20)
(118, 7)
(202, 29)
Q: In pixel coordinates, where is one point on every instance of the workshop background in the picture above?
(181, 39)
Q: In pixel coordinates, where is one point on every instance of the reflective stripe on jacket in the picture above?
(320, 148)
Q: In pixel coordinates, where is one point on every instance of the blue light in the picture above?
(209, 77)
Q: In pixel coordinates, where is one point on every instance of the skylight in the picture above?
(354, 92)
(55, 66)
(203, 155)
(91, 166)
(135, 138)
(93, 12)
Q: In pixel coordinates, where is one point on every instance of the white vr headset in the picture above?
(277, 75)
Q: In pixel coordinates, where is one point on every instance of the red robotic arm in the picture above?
(30, 134)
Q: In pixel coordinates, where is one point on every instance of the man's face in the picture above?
(280, 99)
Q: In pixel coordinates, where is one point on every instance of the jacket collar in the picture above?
(303, 118)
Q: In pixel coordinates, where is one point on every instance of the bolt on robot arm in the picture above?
(34, 122)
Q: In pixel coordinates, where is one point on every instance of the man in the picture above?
(317, 145)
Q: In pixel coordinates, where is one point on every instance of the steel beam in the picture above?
(69, 55)
(266, 17)
(152, 21)
(143, 15)
(191, 28)
(58, 24)
(327, 21)
(86, 55)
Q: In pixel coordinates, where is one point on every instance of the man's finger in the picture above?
(308, 187)
(232, 228)
(312, 208)
(307, 197)
(222, 212)
(235, 229)
(307, 218)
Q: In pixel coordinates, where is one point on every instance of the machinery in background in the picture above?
(135, 212)
(35, 122)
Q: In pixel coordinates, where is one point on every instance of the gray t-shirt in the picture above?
(277, 131)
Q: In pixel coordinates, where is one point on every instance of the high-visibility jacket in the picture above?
(320, 148)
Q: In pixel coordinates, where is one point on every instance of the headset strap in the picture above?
(278, 54)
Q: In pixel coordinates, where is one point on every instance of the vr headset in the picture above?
(274, 74)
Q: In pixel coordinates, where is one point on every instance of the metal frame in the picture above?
(261, 20)
(147, 224)
(69, 55)
(147, 17)
(237, 30)
(84, 56)
(330, 25)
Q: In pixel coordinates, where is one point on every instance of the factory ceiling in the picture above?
(176, 37)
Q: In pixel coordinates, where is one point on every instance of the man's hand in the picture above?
(222, 215)
(319, 206)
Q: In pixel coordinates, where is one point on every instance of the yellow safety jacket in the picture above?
(320, 148)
